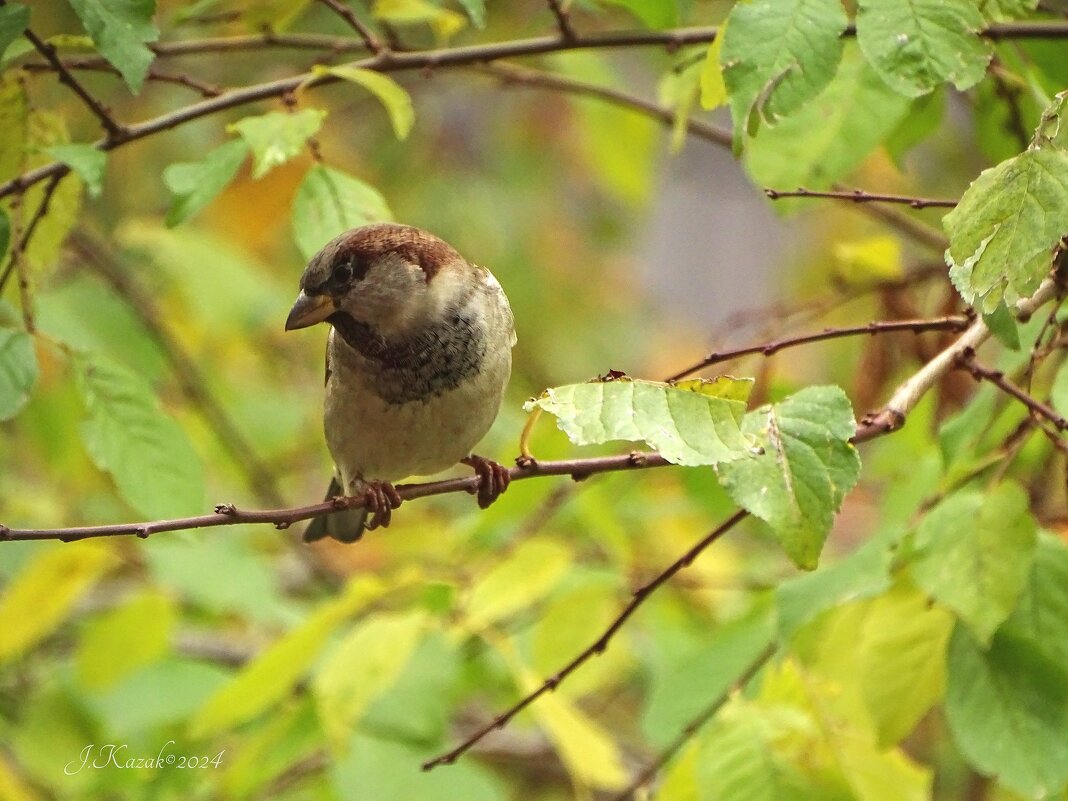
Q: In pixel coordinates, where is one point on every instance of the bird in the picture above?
(417, 361)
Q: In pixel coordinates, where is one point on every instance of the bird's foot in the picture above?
(493, 478)
(380, 498)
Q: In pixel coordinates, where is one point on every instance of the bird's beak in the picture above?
(309, 310)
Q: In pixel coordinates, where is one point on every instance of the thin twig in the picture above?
(95, 64)
(347, 14)
(861, 196)
(115, 131)
(596, 647)
(966, 361)
(259, 475)
(18, 249)
(950, 323)
(563, 20)
(695, 725)
(229, 515)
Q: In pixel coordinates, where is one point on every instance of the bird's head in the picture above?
(393, 278)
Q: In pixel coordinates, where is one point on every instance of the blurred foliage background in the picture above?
(332, 672)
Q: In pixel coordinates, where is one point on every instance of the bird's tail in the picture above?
(346, 526)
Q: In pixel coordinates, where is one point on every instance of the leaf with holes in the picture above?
(1003, 232)
(691, 423)
(806, 467)
(120, 32)
(329, 202)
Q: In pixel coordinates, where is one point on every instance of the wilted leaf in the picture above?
(86, 160)
(394, 97)
(330, 202)
(692, 423)
(145, 451)
(120, 31)
(270, 676)
(42, 595)
(276, 137)
(14, 18)
(777, 55)
(521, 579)
(918, 45)
(381, 646)
(13, 118)
(805, 470)
(1003, 231)
(44, 129)
(194, 185)
(120, 641)
(18, 371)
(974, 552)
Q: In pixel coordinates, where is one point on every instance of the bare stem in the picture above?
(861, 196)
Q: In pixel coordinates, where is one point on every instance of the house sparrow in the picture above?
(417, 361)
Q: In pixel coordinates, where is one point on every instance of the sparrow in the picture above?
(417, 360)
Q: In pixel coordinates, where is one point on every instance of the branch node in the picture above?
(225, 509)
(525, 462)
(637, 458)
(143, 532)
(5, 532)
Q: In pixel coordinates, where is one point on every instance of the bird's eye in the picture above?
(342, 273)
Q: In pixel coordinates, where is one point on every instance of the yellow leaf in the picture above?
(43, 594)
(588, 752)
(864, 261)
(520, 580)
(122, 640)
(713, 90)
(405, 12)
(397, 101)
(366, 664)
(272, 674)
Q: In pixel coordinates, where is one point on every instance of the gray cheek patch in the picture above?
(421, 365)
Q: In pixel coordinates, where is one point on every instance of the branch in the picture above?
(115, 131)
(229, 515)
(193, 384)
(96, 64)
(892, 416)
(696, 724)
(952, 323)
(347, 14)
(860, 196)
(596, 647)
(18, 250)
(563, 21)
(966, 361)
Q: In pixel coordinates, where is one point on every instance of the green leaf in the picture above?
(18, 371)
(1001, 10)
(1052, 130)
(476, 12)
(831, 135)
(271, 675)
(517, 582)
(276, 137)
(973, 554)
(651, 13)
(44, 593)
(86, 160)
(804, 471)
(923, 118)
(122, 640)
(778, 55)
(330, 202)
(194, 185)
(1041, 615)
(1002, 324)
(394, 97)
(120, 31)
(413, 12)
(147, 453)
(14, 19)
(1058, 394)
(900, 660)
(713, 88)
(1003, 231)
(679, 90)
(915, 46)
(1007, 708)
(381, 646)
(690, 423)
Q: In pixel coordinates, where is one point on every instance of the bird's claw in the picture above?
(493, 479)
(380, 499)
